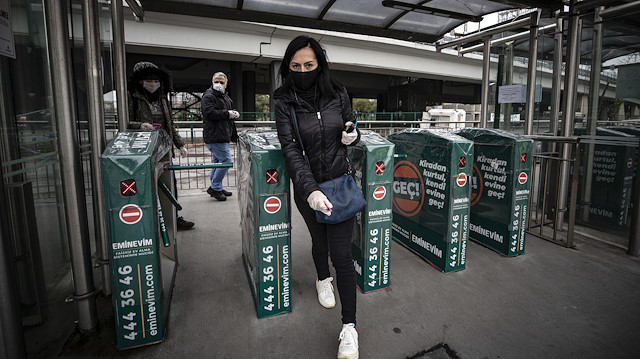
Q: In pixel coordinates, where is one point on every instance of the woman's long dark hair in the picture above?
(328, 86)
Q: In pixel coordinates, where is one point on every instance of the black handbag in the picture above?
(342, 192)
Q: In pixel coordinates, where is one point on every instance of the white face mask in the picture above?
(151, 86)
(218, 87)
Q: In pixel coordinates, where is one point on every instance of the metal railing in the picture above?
(547, 215)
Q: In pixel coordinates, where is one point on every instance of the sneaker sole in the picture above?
(325, 304)
(349, 356)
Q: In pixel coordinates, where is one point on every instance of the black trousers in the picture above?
(334, 239)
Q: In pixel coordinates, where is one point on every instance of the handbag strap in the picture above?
(294, 120)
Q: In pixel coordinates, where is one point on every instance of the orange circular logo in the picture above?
(408, 189)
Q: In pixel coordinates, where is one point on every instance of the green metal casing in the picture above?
(431, 192)
(611, 177)
(265, 218)
(372, 162)
(500, 189)
(135, 244)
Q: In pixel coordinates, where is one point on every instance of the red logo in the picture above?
(130, 214)
(522, 178)
(461, 180)
(408, 189)
(272, 205)
(379, 193)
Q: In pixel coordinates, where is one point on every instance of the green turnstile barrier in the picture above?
(431, 193)
(612, 176)
(141, 224)
(265, 218)
(372, 160)
(500, 189)
(142, 268)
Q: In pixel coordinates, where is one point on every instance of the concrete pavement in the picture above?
(551, 302)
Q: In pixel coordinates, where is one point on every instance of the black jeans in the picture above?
(334, 239)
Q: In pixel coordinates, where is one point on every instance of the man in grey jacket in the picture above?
(219, 129)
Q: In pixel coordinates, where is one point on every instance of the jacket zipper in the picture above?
(322, 144)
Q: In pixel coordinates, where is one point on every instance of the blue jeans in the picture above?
(220, 153)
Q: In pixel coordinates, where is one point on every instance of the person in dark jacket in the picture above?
(325, 121)
(219, 129)
(150, 110)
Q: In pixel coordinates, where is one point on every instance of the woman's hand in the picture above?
(349, 134)
(319, 202)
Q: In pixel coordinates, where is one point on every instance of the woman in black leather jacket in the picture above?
(323, 112)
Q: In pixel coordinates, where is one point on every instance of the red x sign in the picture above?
(128, 188)
(462, 161)
(523, 157)
(380, 167)
(272, 176)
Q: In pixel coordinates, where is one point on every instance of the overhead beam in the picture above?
(137, 10)
(486, 33)
(506, 39)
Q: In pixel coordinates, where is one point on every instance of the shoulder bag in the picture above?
(342, 191)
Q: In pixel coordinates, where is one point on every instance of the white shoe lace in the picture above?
(347, 342)
(326, 289)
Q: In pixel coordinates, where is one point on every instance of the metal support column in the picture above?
(634, 231)
(12, 343)
(592, 118)
(499, 79)
(531, 72)
(91, 32)
(556, 84)
(568, 109)
(70, 165)
(486, 57)
(508, 80)
(119, 63)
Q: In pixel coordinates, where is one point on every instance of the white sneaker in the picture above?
(325, 292)
(348, 348)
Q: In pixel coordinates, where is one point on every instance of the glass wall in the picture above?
(32, 177)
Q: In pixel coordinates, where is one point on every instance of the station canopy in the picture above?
(413, 20)
(410, 20)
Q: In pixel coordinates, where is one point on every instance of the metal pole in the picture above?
(496, 117)
(556, 85)
(634, 231)
(592, 118)
(12, 343)
(95, 103)
(486, 56)
(70, 165)
(508, 80)
(531, 72)
(119, 63)
(568, 110)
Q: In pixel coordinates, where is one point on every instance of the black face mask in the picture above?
(305, 80)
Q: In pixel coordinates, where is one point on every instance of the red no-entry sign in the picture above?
(461, 180)
(379, 193)
(522, 178)
(272, 205)
(130, 214)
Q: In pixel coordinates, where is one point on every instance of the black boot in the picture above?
(181, 223)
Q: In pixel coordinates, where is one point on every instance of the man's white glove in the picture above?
(146, 126)
(233, 114)
(183, 152)
(349, 137)
(319, 202)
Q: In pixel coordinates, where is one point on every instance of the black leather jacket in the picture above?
(321, 134)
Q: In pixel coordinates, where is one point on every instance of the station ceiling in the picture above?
(410, 20)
